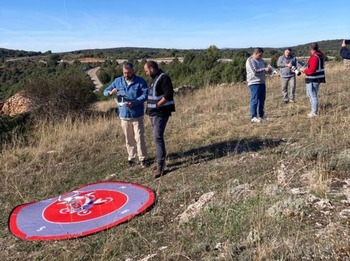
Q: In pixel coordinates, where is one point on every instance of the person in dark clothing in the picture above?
(344, 52)
(160, 105)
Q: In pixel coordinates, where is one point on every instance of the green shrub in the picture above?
(55, 98)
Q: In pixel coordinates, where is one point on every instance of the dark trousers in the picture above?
(159, 124)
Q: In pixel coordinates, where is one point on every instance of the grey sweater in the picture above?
(255, 71)
(286, 71)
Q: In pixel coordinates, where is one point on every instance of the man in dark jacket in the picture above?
(314, 76)
(344, 52)
(160, 105)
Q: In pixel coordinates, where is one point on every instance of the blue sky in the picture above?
(68, 25)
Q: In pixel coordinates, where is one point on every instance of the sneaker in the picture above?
(286, 101)
(144, 164)
(312, 115)
(131, 163)
(292, 101)
(255, 120)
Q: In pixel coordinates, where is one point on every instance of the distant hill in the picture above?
(330, 47)
(326, 44)
(9, 53)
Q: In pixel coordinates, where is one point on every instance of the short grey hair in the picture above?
(128, 65)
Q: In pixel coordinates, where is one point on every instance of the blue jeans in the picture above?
(311, 92)
(159, 124)
(257, 100)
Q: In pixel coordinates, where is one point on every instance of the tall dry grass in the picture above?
(212, 146)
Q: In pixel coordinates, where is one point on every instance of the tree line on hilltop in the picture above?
(330, 47)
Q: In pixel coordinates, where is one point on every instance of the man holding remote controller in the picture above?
(131, 93)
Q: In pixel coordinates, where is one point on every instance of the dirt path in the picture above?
(93, 75)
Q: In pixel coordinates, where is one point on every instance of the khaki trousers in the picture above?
(134, 131)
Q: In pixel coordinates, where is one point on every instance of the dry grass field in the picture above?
(280, 189)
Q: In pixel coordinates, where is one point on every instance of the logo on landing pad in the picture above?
(83, 205)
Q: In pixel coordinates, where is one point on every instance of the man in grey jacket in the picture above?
(286, 62)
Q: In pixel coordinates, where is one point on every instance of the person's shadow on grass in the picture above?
(217, 150)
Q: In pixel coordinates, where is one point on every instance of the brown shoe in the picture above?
(159, 171)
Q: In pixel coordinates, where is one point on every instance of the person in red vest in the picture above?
(314, 76)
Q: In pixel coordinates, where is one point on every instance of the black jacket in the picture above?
(164, 87)
(344, 53)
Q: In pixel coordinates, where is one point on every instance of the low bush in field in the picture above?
(55, 98)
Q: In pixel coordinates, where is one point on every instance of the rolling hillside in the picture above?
(279, 190)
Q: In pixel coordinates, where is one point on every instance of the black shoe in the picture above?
(131, 163)
(145, 164)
